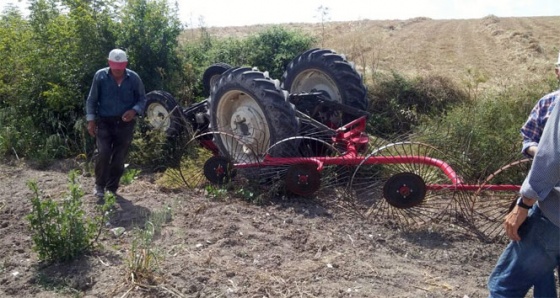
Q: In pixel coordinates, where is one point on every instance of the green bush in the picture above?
(38, 107)
(154, 150)
(272, 49)
(398, 104)
(269, 50)
(61, 231)
(483, 134)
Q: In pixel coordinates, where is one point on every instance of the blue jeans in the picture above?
(528, 262)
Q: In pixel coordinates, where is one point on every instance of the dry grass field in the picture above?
(497, 51)
(289, 247)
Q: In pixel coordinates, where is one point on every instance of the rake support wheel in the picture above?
(492, 206)
(325, 183)
(404, 190)
(400, 191)
(303, 179)
(218, 170)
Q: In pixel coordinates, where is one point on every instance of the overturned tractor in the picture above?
(306, 134)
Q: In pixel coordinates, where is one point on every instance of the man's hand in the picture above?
(128, 115)
(515, 218)
(532, 150)
(91, 128)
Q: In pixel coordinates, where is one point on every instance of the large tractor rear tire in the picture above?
(249, 105)
(325, 71)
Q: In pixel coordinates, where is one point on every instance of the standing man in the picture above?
(533, 127)
(534, 223)
(116, 96)
(531, 133)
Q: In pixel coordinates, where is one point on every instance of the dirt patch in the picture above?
(231, 248)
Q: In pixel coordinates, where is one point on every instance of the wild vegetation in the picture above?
(464, 86)
(59, 47)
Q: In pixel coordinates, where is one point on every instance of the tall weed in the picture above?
(143, 256)
(399, 103)
(62, 231)
(484, 134)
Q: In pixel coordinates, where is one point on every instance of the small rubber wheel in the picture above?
(218, 170)
(404, 190)
(163, 113)
(303, 179)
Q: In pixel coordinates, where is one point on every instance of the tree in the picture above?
(324, 16)
(272, 49)
(150, 36)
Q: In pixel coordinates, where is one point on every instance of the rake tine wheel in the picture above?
(202, 164)
(190, 169)
(492, 206)
(402, 192)
(308, 172)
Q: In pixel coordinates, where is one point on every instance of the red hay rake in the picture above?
(405, 183)
(306, 136)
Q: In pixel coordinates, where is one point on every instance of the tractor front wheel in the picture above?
(163, 113)
(212, 74)
(325, 71)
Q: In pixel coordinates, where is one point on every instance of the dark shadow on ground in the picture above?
(67, 276)
(128, 215)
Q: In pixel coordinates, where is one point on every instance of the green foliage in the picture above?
(154, 150)
(129, 176)
(247, 194)
(272, 49)
(142, 259)
(483, 134)
(398, 104)
(216, 192)
(49, 61)
(150, 31)
(61, 231)
(269, 50)
(42, 104)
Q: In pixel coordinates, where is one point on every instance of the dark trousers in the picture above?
(114, 137)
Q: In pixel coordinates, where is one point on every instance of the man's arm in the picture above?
(92, 99)
(140, 96)
(541, 179)
(531, 151)
(531, 131)
(545, 169)
(91, 106)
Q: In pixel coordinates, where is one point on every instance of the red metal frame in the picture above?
(353, 137)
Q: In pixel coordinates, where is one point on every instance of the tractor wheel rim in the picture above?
(314, 81)
(240, 115)
(158, 116)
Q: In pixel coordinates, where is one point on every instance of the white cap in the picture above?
(117, 55)
(117, 59)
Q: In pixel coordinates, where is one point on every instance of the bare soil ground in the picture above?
(231, 248)
(228, 247)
